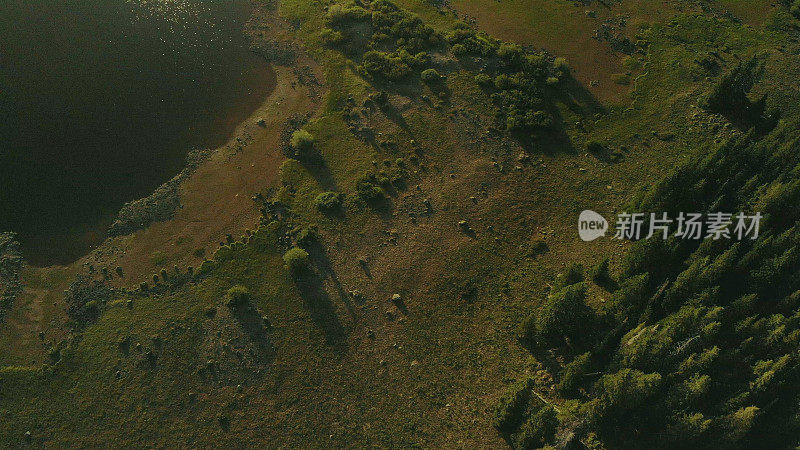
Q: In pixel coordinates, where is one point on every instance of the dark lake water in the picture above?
(100, 101)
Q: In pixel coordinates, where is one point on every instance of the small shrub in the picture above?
(303, 144)
(561, 64)
(573, 374)
(538, 120)
(369, 189)
(511, 54)
(430, 76)
(84, 298)
(341, 14)
(307, 236)
(332, 37)
(600, 273)
(538, 430)
(795, 9)
(483, 80)
(205, 267)
(595, 147)
(237, 296)
(297, 260)
(391, 66)
(328, 201)
(503, 82)
(459, 49)
(511, 410)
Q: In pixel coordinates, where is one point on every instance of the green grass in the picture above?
(432, 378)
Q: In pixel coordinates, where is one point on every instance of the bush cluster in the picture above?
(328, 201)
(397, 43)
(370, 187)
(519, 78)
(85, 298)
(297, 260)
(238, 296)
(302, 143)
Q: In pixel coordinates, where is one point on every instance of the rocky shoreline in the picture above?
(158, 206)
(11, 263)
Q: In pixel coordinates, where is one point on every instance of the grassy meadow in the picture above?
(415, 278)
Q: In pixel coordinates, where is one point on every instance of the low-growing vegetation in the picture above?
(412, 276)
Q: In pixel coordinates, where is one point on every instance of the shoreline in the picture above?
(216, 201)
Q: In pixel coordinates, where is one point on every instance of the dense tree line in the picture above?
(699, 343)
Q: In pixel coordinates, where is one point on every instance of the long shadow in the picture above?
(319, 169)
(383, 206)
(394, 115)
(578, 99)
(748, 115)
(556, 140)
(323, 314)
(320, 258)
(256, 329)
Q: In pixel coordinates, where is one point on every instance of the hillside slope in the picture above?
(419, 221)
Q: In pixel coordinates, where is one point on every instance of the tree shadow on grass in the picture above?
(320, 258)
(319, 169)
(548, 143)
(394, 115)
(382, 206)
(256, 329)
(574, 97)
(312, 289)
(578, 99)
